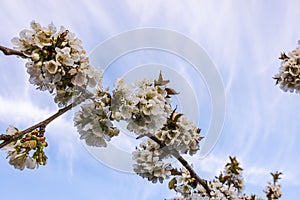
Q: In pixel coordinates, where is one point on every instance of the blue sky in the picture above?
(243, 39)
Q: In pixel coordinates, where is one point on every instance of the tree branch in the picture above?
(8, 52)
(41, 124)
(175, 153)
(8, 139)
(201, 181)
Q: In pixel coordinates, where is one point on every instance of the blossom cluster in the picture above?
(149, 163)
(184, 184)
(93, 120)
(273, 190)
(19, 152)
(188, 187)
(145, 106)
(288, 77)
(148, 111)
(57, 62)
(233, 175)
(222, 191)
(227, 186)
(179, 134)
(230, 183)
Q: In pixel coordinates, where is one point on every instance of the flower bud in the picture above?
(44, 144)
(35, 57)
(35, 132)
(45, 52)
(38, 64)
(42, 139)
(27, 138)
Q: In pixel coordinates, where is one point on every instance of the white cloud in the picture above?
(20, 112)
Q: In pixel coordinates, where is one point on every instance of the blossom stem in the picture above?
(42, 124)
(201, 181)
(7, 51)
(193, 174)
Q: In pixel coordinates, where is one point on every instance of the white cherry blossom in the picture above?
(149, 164)
(145, 107)
(93, 121)
(57, 62)
(288, 77)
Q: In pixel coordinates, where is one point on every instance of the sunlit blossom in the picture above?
(57, 61)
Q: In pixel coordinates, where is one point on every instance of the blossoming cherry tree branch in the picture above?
(57, 63)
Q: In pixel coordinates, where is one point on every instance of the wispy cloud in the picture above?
(243, 39)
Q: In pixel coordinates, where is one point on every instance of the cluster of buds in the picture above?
(37, 142)
(27, 151)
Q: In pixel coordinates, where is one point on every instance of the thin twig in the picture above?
(175, 153)
(8, 52)
(38, 125)
(5, 137)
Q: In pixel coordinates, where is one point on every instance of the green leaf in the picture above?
(31, 144)
(193, 183)
(172, 183)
